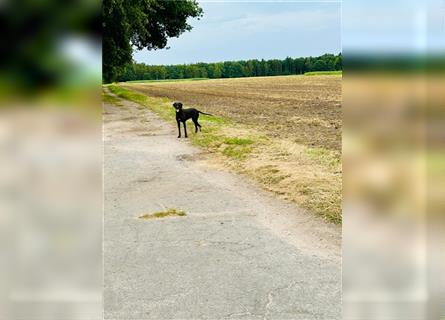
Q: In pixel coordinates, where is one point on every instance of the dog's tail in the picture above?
(208, 114)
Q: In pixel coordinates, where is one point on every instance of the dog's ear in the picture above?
(174, 104)
(180, 104)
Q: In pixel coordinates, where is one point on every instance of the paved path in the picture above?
(238, 254)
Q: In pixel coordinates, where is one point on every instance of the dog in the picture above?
(182, 115)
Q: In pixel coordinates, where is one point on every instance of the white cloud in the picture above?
(307, 20)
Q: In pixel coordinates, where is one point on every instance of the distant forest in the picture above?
(233, 69)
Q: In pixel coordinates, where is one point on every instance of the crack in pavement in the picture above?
(270, 297)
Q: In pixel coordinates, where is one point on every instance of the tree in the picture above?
(217, 71)
(319, 65)
(288, 66)
(264, 68)
(249, 69)
(299, 65)
(338, 62)
(140, 24)
(308, 64)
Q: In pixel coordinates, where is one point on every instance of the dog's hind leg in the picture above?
(195, 121)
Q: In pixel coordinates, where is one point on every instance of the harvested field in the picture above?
(284, 133)
(305, 110)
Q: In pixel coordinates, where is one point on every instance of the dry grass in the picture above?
(282, 132)
(163, 214)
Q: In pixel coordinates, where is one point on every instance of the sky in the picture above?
(398, 26)
(232, 30)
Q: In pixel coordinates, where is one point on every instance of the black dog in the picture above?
(182, 115)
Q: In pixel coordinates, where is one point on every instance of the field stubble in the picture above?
(283, 132)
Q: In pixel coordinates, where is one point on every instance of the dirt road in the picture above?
(239, 253)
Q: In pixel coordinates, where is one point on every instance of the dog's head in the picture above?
(177, 106)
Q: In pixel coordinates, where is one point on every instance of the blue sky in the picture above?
(398, 26)
(231, 30)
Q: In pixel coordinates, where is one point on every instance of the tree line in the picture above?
(232, 69)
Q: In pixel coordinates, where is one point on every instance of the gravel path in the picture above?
(239, 253)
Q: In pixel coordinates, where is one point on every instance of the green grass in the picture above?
(162, 214)
(109, 99)
(237, 152)
(208, 138)
(128, 94)
(238, 141)
(237, 148)
(161, 106)
(167, 80)
(324, 156)
(213, 119)
(212, 139)
(323, 73)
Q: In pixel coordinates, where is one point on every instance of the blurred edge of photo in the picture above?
(51, 163)
(393, 160)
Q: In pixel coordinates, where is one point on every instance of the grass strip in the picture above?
(324, 73)
(162, 214)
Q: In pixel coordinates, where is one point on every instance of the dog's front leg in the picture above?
(185, 130)
(179, 128)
